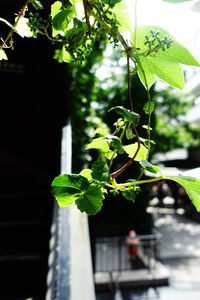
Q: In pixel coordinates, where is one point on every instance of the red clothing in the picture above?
(132, 250)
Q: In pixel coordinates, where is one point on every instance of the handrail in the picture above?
(70, 275)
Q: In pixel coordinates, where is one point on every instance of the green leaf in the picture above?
(101, 131)
(131, 150)
(131, 194)
(164, 64)
(36, 4)
(128, 115)
(56, 7)
(129, 132)
(66, 196)
(76, 1)
(111, 2)
(175, 53)
(122, 15)
(63, 18)
(99, 144)
(71, 180)
(68, 188)
(168, 71)
(91, 201)
(145, 72)
(147, 128)
(110, 155)
(87, 173)
(192, 187)
(66, 56)
(176, 1)
(115, 143)
(148, 107)
(149, 167)
(100, 171)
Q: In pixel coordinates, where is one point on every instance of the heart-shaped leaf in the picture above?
(68, 188)
(162, 61)
(192, 187)
(132, 148)
(91, 201)
(128, 115)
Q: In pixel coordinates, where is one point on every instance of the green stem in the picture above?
(149, 117)
(129, 184)
(136, 25)
(115, 151)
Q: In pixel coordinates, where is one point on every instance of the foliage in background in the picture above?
(172, 129)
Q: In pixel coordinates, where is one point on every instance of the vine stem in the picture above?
(21, 14)
(86, 5)
(129, 184)
(130, 161)
(149, 118)
(129, 82)
(115, 151)
(136, 25)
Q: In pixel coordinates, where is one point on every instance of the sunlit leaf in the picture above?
(192, 187)
(145, 71)
(121, 12)
(101, 131)
(164, 64)
(99, 144)
(91, 201)
(68, 188)
(66, 56)
(22, 27)
(3, 55)
(56, 8)
(87, 174)
(110, 155)
(132, 148)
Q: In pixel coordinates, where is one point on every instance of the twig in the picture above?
(21, 14)
(86, 5)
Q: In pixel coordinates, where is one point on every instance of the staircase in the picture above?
(25, 219)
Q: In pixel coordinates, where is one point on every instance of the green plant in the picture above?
(75, 26)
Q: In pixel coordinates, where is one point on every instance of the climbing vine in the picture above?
(75, 26)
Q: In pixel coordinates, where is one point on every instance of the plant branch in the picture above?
(129, 82)
(130, 161)
(129, 184)
(86, 6)
(21, 14)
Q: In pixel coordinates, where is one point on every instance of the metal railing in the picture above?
(112, 254)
